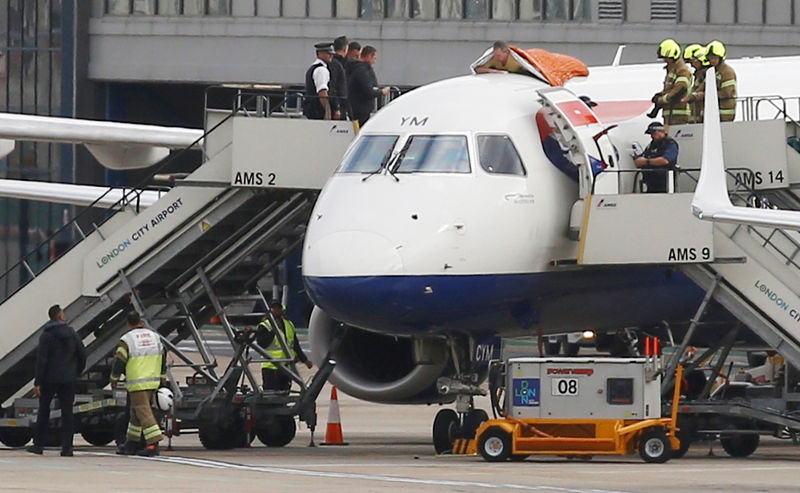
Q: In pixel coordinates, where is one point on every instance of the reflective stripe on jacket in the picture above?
(676, 85)
(275, 350)
(145, 357)
(726, 92)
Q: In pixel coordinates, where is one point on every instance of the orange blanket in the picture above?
(557, 68)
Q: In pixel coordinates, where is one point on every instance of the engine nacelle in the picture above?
(380, 368)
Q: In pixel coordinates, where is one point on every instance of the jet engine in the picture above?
(380, 368)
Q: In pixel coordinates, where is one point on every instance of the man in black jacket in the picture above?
(339, 79)
(61, 358)
(363, 85)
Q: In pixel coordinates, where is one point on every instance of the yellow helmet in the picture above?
(669, 48)
(702, 56)
(690, 52)
(716, 48)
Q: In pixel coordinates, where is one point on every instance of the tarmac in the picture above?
(389, 449)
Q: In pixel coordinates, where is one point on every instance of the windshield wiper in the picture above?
(386, 159)
(385, 164)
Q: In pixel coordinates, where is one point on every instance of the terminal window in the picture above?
(619, 391)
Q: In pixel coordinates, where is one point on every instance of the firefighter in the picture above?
(726, 80)
(695, 54)
(140, 355)
(676, 85)
(273, 378)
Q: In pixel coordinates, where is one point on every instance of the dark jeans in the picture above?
(66, 398)
(275, 379)
(655, 179)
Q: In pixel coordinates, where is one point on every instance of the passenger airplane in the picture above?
(442, 228)
(444, 220)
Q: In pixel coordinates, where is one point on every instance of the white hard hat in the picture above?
(162, 399)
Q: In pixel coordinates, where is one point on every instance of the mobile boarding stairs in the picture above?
(753, 272)
(204, 249)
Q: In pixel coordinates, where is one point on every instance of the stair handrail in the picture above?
(131, 197)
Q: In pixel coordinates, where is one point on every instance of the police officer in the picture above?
(726, 80)
(660, 155)
(695, 55)
(317, 105)
(676, 85)
(273, 378)
(140, 355)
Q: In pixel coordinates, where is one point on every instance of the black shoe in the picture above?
(35, 449)
(128, 447)
(66, 453)
(149, 451)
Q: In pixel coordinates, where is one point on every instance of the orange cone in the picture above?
(333, 432)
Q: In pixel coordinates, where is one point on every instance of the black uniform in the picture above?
(312, 108)
(656, 181)
(61, 358)
(363, 86)
(338, 86)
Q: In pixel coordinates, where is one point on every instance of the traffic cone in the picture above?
(333, 432)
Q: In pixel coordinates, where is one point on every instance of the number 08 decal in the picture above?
(565, 386)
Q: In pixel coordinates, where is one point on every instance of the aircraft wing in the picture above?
(83, 195)
(119, 146)
(711, 201)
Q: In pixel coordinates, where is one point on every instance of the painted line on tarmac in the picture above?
(214, 464)
(679, 469)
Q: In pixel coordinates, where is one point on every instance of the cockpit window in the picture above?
(369, 154)
(498, 155)
(434, 154)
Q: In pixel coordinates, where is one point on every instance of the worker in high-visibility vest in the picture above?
(273, 378)
(726, 80)
(676, 85)
(140, 356)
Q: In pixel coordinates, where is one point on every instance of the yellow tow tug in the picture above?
(578, 408)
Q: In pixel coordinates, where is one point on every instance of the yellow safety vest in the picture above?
(145, 353)
(274, 350)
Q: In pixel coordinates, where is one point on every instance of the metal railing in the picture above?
(779, 107)
(95, 217)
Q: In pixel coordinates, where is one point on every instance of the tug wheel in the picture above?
(495, 444)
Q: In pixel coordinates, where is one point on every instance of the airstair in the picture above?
(199, 251)
(753, 272)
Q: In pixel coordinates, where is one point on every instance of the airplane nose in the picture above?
(352, 253)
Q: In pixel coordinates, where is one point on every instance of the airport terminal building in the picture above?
(150, 61)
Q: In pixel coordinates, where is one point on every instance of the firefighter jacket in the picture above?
(726, 92)
(697, 95)
(143, 353)
(676, 86)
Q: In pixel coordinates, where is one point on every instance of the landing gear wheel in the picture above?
(277, 432)
(475, 418)
(495, 444)
(98, 438)
(654, 447)
(15, 437)
(740, 445)
(445, 426)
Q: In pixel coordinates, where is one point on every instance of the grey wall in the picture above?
(265, 48)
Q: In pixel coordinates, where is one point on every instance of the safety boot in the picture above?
(128, 447)
(149, 451)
